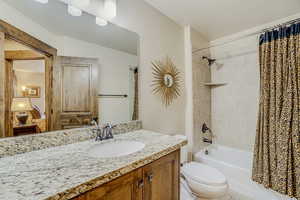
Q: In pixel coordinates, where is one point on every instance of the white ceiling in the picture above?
(53, 16)
(219, 18)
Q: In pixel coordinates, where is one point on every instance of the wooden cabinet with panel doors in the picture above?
(75, 92)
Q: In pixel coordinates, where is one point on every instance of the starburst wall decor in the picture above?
(166, 80)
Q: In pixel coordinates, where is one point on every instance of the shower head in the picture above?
(210, 60)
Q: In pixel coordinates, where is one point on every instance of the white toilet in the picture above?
(200, 181)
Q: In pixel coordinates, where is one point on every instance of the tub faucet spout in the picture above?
(207, 140)
(206, 152)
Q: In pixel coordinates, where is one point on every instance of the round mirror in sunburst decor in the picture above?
(166, 80)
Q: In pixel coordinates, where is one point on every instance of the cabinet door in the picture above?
(162, 178)
(127, 187)
(75, 92)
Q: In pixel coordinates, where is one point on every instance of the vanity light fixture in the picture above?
(72, 10)
(110, 9)
(42, 1)
(101, 21)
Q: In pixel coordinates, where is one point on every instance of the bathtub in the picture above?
(236, 165)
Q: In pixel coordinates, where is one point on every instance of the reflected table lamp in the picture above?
(21, 106)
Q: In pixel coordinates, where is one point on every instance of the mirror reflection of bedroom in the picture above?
(26, 81)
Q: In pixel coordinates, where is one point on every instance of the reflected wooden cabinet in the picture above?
(158, 180)
(75, 92)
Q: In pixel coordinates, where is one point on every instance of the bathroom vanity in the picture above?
(32, 168)
(50, 147)
(156, 181)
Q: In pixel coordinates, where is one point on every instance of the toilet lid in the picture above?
(203, 174)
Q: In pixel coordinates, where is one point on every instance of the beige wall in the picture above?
(201, 93)
(159, 37)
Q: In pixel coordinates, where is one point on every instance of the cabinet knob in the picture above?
(140, 183)
(150, 177)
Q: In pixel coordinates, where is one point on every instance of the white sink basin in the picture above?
(115, 149)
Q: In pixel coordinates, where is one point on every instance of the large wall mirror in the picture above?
(90, 72)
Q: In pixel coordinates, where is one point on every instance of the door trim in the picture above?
(10, 57)
(11, 32)
(50, 53)
(8, 98)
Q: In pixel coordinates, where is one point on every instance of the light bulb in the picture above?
(80, 3)
(101, 22)
(76, 12)
(110, 9)
(42, 1)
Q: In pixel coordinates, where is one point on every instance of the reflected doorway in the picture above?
(26, 81)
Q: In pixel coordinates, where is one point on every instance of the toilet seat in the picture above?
(205, 181)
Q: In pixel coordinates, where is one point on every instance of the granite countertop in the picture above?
(66, 171)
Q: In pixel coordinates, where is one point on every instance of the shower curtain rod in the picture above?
(251, 34)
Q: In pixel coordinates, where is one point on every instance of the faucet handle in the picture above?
(109, 125)
(93, 122)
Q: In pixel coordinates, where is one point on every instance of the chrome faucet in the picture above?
(97, 130)
(102, 133)
(107, 131)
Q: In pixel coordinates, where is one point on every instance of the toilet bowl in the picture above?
(200, 181)
(203, 181)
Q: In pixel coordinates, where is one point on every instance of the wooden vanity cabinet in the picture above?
(125, 188)
(158, 180)
(161, 178)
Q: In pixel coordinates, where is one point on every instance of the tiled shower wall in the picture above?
(235, 105)
(201, 93)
